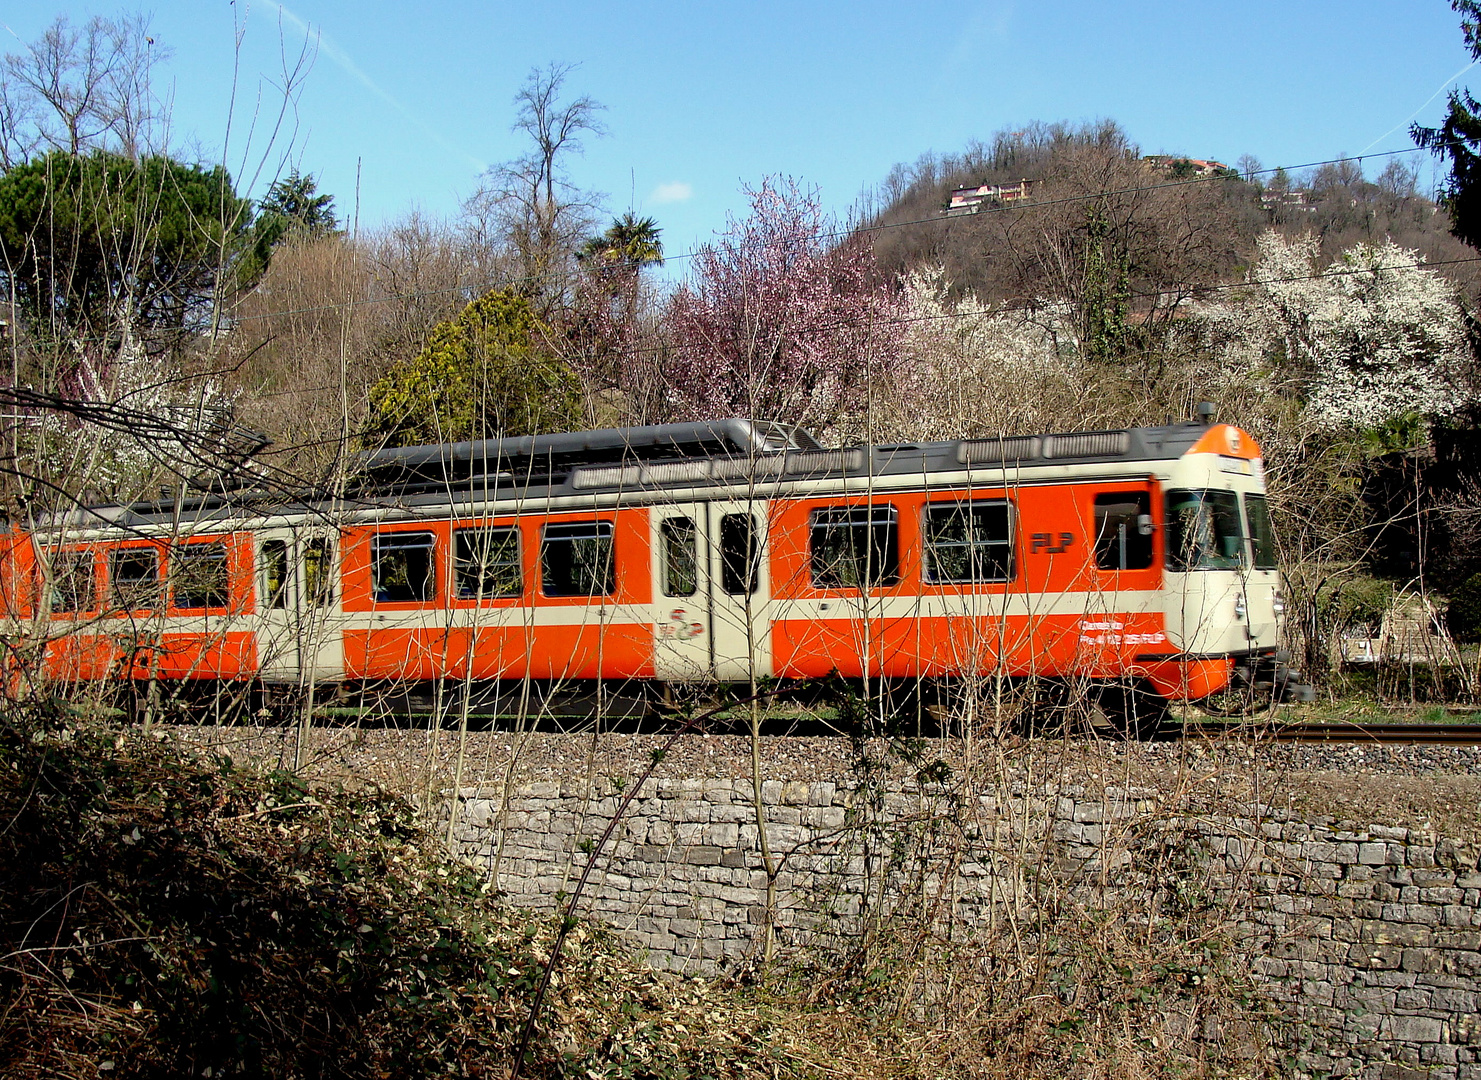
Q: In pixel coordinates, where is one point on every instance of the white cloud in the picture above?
(678, 191)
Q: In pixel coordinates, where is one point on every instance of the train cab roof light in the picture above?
(1205, 412)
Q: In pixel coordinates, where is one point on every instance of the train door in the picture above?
(683, 647)
(739, 588)
(320, 633)
(711, 591)
(277, 608)
(299, 637)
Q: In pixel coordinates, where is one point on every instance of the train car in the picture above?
(1138, 563)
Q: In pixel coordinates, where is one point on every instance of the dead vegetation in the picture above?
(168, 912)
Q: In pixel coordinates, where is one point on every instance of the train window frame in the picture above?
(1008, 565)
(1180, 555)
(1264, 555)
(740, 554)
(1116, 557)
(420, 585)
(217, 595)
(679, 555)
(124, 590)
(272, 555)
(80, 559)
(576, 574)
(860, 527)
(470, 565)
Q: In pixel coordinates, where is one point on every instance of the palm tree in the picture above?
(629, 244)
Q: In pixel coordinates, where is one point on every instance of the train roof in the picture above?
(651, 458)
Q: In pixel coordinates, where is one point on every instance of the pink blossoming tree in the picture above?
(784, 320)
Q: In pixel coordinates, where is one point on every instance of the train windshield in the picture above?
(1204, 531)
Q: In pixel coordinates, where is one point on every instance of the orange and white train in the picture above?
(1139, 559)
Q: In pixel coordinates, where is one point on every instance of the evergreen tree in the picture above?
(100, 245)
(1459, 140)
(292, 207)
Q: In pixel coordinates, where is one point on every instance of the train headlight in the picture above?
(1240, 606)
(1278, 602)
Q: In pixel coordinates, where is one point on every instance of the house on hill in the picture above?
(1187, 166)
(968, 200)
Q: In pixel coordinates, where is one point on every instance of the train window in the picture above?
(1203, 531)
(198, 576)
(1262, 536)
(680, 557)
(855, 547)
(73, 581)
(486, 563)
(969, 542)
(275, 574)
(740, 555)
(134, 573)
(318, 571)
(1119, 541)
(577, 559)
(404, 567)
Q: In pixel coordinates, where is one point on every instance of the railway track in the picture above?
(1395, 734)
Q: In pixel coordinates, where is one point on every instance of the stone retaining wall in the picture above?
(1369, 938)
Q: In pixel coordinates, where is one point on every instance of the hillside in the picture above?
(1177, 230)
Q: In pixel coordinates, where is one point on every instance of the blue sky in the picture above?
(703, 98)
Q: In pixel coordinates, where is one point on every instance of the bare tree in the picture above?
(82, 88)
(530, 203)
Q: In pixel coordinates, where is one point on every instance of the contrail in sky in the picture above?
(341, 58)
(1419, 110)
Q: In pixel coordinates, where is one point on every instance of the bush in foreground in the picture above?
(167, 915)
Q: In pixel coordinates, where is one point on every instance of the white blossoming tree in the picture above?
(1368, 340)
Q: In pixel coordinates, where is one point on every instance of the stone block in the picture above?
(1412, 1029)
(796, 793)
(722, 791)
(1379, 932)
(1377, 957)
(830, 818)
(722, 835)
(1373, 854)
(1459, 916)
(1461, 1003)
(736, 813)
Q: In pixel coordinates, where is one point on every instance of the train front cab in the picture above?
(1223, 603)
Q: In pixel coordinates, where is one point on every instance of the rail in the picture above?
(1392, 734)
